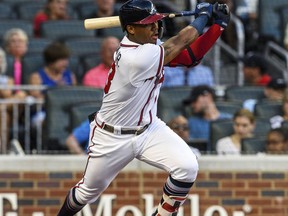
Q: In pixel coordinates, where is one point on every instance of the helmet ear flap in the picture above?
(160, 29)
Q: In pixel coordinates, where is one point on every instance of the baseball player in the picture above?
(126, 127)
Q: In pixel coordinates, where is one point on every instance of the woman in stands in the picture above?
(16, 45)
(243, 125)
(54, 73)
(6, 93)
(53, 10)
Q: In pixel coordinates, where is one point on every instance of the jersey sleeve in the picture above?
(148, 63)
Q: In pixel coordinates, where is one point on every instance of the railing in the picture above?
(10, 133)
(235, 54)
(279, 57)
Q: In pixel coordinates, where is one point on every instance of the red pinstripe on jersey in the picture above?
(158, 78)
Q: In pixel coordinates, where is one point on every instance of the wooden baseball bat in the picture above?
(113, 21)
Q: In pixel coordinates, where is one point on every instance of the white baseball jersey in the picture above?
(133, 85)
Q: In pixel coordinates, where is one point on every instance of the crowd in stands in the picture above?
(200, 108)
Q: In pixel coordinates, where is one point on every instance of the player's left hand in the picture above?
(221, 14)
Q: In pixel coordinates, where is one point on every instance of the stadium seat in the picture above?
(263, 126)
(242, 93)
(25, 25)
(170, 102)
(37, 45)
(27, 10)
(61, 30)
(269, 18)
(228, 106)
(267, 109)
(84, 45)
(219, 129)
(253, 145)
(90, 61)
(116, 32)
(6, 11)
(30, 64)
(80, 112)
(86, 9)
(58, 103)
(76, 67)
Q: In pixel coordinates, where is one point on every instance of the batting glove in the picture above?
(221, 14)
(204, 8)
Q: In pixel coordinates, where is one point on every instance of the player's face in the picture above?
(145, 33)
(243, 126)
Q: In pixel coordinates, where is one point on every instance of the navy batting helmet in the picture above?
(138, 12)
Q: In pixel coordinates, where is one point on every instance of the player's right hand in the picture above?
(221, 14)
(204, 8)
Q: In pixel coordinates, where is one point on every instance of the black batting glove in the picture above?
(204, 8)
(221, 14)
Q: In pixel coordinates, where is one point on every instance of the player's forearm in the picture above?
(196, 51)
(184, 38)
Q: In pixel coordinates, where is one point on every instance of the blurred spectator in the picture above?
(276, 121)
(179, 124)
(77, 141)
(277, 141)
(243, 125)
(53, 10)
(54, 73)
(16, 45)
(96, 77)
(273, 91)
(6, 81)
(103, 8)
(182, 76)
(286, 37)
(202, 102)
(255, 70)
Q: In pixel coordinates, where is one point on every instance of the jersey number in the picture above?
(110, 78)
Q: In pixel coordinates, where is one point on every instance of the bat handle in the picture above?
(180, 14)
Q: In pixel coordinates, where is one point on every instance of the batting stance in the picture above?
(126, 127)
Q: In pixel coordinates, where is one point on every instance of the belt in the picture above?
(120, 130)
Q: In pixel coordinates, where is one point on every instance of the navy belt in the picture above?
(111, 129)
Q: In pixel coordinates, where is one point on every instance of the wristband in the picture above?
(199, 23)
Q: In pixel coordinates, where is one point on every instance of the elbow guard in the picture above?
(193, 55)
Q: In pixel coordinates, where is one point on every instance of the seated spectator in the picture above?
(16, 45)
(202, 102)
(179, 124)
(183, 76)
(243, 125)
(55, 72)
(97, 76)
(6, 81)
(273, 91)
(53, 10)
(77, 141)
(277, 141)
(276, 121)
(103, 8)
(255, 70)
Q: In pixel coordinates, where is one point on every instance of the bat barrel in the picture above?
(103, 22)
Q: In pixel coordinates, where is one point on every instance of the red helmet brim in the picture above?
(151, 19)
